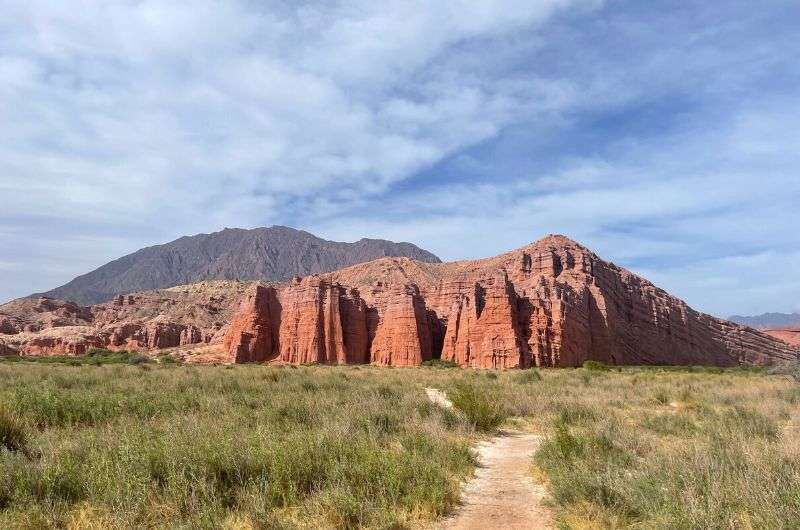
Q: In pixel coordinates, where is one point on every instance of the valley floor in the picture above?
(130, 443)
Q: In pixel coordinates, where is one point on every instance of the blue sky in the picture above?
(663, 135)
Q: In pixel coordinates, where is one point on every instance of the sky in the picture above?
(664, 135)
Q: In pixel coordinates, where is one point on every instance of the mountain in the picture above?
(768, 320)
(551, 303)
(276, 253)
(783, 326)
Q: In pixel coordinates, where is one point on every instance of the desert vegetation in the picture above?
(673, 448)
(156, 444)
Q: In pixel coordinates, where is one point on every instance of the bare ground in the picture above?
(502, 494)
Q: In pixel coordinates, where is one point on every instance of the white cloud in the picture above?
(127, 98)
(131, 123)
(155, 118)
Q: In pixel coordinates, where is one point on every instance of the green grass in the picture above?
(676, 449)
(481, 403)
(94, 357)
(439, 363)
(202, 447)
(161, 445)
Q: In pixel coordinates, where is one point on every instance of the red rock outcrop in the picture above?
(310, 321)
(322, 322)
(252, 335)
(570, 306)
(402, 336)
(184, 315)
(483, 328)
(790, 336)
(60, 345)
(551, 303)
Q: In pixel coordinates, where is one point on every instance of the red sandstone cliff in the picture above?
(551, 303)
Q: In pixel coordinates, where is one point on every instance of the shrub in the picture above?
(662, 397)
(138, 359)
(481, 405)
(13, 434)
(439, 363)
(595, 366)
(791, 370)
(527, 377)
(166, 358)
(574, 413)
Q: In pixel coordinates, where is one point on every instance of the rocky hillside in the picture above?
(268, 254)
(151, 320)
(551, 303)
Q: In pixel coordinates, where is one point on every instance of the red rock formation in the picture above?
(790, 336)
(353, 312)
(151, 336)
(180, 316)
(403, 336)
(252, 334)
(571, 306)
(60, 346)
(552, 303)
(483, 328)
(322, 322)
(311, 321)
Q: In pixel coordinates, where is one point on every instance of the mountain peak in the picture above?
(272, 253)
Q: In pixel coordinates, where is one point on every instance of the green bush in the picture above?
(482, 405)
(595, 366)
(527, 377)
(13, 433)
(439, 363)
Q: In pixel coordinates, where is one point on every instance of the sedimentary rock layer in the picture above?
(551, 303)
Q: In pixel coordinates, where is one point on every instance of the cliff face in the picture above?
(483, 328)
(402, 335)
(252, 335)
(321, 323)
(553, 303)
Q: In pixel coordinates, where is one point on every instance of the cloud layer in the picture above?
(466, 128)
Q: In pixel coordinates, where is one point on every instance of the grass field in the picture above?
(146, 445)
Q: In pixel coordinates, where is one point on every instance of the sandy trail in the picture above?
(502, 494)
(438, 397)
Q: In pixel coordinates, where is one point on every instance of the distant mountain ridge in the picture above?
(768, 320)
(274, 253)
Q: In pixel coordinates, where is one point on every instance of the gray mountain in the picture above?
(768, 320)
(274, 254)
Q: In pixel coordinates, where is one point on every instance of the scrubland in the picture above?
(131, 443)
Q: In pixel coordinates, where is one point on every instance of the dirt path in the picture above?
(438, 397)
(502, 495)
